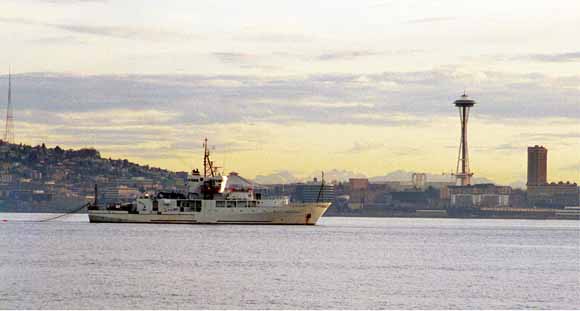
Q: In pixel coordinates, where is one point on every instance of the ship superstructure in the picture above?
(211, 198)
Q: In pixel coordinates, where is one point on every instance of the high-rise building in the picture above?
(537, 166)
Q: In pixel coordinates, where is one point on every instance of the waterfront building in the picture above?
(181, 176)
(419, 180)
(314, 191)
(480, 195)
(358, 189)
(553, 195)
(115, 193)
(358, 184)
(6, 178)
(540, 193)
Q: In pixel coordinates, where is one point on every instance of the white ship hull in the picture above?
(289, 214)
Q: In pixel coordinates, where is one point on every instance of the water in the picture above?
(344, 263)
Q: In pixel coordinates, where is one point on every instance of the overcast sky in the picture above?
(299, 86)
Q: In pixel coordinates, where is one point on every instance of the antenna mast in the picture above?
(321, 191)
(9, 130)
(208, 168)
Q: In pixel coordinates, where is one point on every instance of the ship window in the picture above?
(198, 209)
(189, 203)
(242, 203)
(252, 203)
(220, 203)
(179, 203)
(197, 204)
(231, 204)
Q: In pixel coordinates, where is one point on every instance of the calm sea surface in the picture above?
(343, 263)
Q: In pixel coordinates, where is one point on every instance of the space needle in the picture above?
(463, 173)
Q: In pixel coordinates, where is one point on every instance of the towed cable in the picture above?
(65, 214)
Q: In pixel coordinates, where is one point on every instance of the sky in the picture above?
(299, 86)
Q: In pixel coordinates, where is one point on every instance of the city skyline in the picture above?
(160, 80)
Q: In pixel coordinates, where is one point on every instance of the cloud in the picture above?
(243, 60)
(122, 32)
(558, 137)
(382, 4)
(122, 117)
(66, 2)
(72, 1)
(57, 40)
(429, 20)
(359, 147)
(248, 114)
(258, 36)
(568, 57)
(551, 58)
(509, 147)
(412, 98)
(354, 54)
(229, 57)
(348, 55)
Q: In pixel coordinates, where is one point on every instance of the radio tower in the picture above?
(9, 130)
(463, 174)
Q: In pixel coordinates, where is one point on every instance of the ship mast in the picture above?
(321, 191)
(208, 168)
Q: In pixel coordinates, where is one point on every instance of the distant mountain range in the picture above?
(286, 177)
(406, 176)
(84, 165)
(281, 177)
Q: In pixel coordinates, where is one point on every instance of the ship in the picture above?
(210, 198)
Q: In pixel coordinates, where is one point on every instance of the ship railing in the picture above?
(236, 203)
(275, 198)
(248, 203)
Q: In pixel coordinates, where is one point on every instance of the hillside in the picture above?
(38, 173)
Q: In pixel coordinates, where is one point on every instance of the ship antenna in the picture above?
(208, 168)
(205, 158)
(321, 191)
